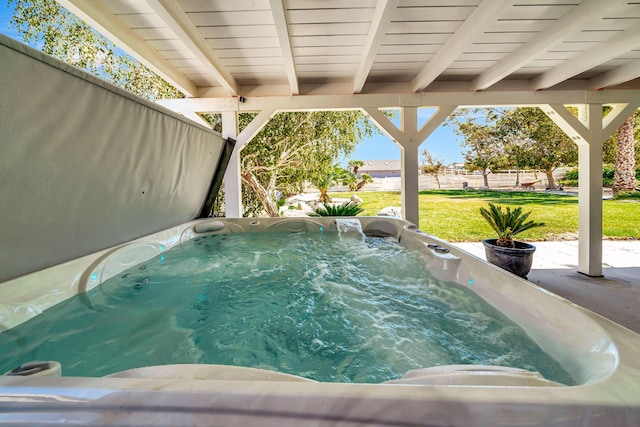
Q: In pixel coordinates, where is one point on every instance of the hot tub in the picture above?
(600, 355)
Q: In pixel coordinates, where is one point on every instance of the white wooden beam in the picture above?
(579, 130)
(570, 124)
(552, 35)
(109, 25)
(197, 118)
(384, 124)
(381, 18)
(624, 73)
(469, 31)
(616, 46)
(282, 30)
(617, 116)
(435, 121)
(177, 20)
(254, 127)
(395, 100)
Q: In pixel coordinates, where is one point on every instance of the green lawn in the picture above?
(454, 215)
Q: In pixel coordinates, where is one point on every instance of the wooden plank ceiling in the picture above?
(226, 48)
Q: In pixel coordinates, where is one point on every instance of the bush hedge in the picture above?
(608, 171)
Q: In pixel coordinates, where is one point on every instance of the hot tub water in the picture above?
(311, 304)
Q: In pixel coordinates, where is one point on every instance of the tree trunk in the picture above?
(324, 196)
(485, 176)
(268, 204)
(624, 178)
(437, 180)
(552, 182)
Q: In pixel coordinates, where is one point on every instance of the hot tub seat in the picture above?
(478, 375)
(207, 372)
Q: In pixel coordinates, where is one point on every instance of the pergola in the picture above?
(268, 56)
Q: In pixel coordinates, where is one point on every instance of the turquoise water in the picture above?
(307, 304)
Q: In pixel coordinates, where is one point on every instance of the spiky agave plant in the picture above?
(508, 223)
(344, 209)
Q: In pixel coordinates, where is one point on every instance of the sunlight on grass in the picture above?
(454, 215)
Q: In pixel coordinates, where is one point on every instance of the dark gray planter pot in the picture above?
(515, 260)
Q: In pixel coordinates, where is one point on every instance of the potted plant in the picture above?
(511, 255)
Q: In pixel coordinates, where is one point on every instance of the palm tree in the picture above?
(323, 182)
(365, 179)
(624, 178)
(351, 178)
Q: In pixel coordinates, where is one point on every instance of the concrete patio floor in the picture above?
(615, 296)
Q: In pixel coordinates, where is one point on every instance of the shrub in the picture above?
(623, 195)
(508, 223)
(608, 171)
(344, 209)
(571, 175)
(607, 175)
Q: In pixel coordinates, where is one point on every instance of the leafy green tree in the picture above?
(351, 178)
(323, 182)
(61, 34)
(532, 139)
(355, 183)
(517, 156)
(432, 165)
(354, 165)
(482, 139)
(295, 147)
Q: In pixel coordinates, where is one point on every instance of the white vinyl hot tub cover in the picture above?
(86, 165)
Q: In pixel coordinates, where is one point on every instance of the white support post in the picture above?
(587, 131)
(590, 191)
(232, 183)
(590, 208)
(232, 176)
(409, 164)
(409, 138)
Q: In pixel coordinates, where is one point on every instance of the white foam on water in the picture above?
(311, 304)
(349, 228)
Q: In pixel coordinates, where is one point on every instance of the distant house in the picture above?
(381, 168)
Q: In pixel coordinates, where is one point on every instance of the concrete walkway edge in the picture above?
(615, 296)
